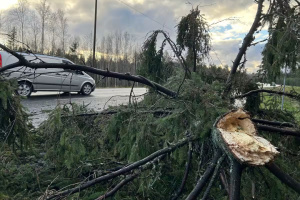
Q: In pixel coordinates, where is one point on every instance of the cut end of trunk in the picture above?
(237, 135)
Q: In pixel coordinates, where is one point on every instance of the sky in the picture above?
(139, 17)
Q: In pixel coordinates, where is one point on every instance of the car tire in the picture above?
(86, 89)
(24, 89)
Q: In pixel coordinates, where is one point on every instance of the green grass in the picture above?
(271, 101)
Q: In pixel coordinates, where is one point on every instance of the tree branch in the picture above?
(186, 173)
(274, 123)
(213, 178)
(118, 187)
(235, 181)
(207, 174)
(278, 130)
(130, 178)
(294, 96)
(106, 73)
(121, 171)
(283, 177)
(246, 43)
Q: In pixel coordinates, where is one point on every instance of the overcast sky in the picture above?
(139, 17)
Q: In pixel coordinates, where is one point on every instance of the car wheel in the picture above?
(24, 89)
(86, 89)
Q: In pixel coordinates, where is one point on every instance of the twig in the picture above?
(253, 44)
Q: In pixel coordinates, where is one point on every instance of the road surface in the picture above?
(41, 103)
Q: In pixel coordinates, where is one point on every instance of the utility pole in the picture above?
(95, 27)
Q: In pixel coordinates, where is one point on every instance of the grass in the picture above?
(271, 101)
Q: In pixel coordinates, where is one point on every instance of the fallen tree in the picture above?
(229, 145)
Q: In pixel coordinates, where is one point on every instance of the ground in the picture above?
(40, 104)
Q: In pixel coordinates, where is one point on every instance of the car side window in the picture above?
(67, 62)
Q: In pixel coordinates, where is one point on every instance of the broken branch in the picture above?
(23, 62)
(121, 171)
(278, 130)
(282, 176)
(207, 174)
(294, 96)
(274, 123)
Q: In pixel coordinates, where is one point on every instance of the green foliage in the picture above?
(64, 138)
(153, 63)
(12, 39)
(14, 127)
(192, 33)
(282, 49)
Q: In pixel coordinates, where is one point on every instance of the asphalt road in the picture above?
(39, 104)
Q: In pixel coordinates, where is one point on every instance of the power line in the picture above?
(164, 26)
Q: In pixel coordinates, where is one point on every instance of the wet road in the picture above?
(41, 103)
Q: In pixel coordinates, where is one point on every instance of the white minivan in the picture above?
(51, 79)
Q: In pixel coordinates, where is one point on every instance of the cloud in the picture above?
(139, 17)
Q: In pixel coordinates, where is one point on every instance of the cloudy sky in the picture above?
(139, 17)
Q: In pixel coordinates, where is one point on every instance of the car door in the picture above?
(47, 79)
(70, 80)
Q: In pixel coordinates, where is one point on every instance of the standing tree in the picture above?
(63, 26)
(21, 13)
(193, 35)
(12, 36)
(35, 29)
(53, 30)
(281, 50)
(43, 9)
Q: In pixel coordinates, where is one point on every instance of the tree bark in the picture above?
(246, 43)
(186, 173)
(235, 181)
(273, 123)
(207, 174)
(278, 130)
(285, 178)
